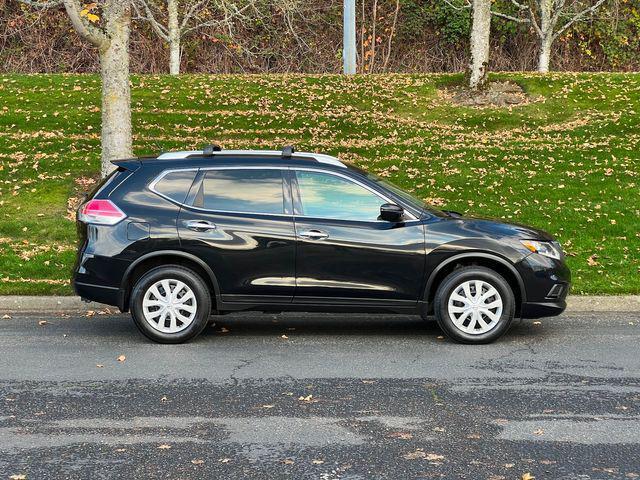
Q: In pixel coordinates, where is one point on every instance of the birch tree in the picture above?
(172, 20)
(550, 19)
(106, 25)
(479, 44)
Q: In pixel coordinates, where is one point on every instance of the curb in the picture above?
(18, 303)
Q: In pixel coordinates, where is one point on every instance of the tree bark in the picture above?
(174, 37)
(546, 35)
(480, 32)
(116, 93)
(544, 56)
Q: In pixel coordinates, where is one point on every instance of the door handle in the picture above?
(200, 225)
(314, 234)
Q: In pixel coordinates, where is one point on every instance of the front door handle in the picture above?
(314, 234)
(200, 225)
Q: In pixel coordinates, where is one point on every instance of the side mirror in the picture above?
(391, 212)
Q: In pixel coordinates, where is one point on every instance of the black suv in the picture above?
(178, 237)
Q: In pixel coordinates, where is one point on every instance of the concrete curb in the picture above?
(18, 303)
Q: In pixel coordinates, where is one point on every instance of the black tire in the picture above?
(193, 282)
(453, 282)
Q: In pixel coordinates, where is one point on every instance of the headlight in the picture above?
(548, 249)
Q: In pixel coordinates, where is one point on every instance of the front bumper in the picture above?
(542, 309)
(547, 283)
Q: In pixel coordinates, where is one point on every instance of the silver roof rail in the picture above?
(320, 157)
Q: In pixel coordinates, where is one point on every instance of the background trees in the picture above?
(306, 36)
(171, 20)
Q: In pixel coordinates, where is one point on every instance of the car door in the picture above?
(239, 221)
(345, 254)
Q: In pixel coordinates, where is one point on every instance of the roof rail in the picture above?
(286, 153)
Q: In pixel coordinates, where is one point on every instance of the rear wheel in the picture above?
(474, 305)
(170, 304)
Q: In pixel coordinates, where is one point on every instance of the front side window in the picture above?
(328, 196)
(242, 191)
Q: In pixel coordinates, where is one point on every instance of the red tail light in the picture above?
(101, 212)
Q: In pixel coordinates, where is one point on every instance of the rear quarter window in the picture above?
(175, 185)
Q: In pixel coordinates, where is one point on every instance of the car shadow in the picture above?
(250, 324)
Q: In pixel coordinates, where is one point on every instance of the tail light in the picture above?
(101, 212)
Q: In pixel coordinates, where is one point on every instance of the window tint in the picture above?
(176, 185)
(248, 191)
(329, 196)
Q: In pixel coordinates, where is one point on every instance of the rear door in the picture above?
(239, 221)
(345, 253)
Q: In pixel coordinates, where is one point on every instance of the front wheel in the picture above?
(170, 304)
(474, 305)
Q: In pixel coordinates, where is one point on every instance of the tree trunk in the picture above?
(546, 35)
(544, 56)
(480, 31)
(116, 94)
(174, 37)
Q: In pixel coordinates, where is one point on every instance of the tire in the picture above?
(455, 299)
(180, 319)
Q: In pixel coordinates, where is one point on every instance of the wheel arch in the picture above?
(482, 259)
(166, 257)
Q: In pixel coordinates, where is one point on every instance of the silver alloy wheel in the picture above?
(169, 306)
(475, 307)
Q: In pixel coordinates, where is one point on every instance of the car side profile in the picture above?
(178, 237)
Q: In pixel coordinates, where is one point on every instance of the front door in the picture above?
(239, 221)
(344, 253)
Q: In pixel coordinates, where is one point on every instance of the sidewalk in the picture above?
(16, 303)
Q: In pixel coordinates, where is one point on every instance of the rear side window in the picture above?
(176, 185)
(242, 191)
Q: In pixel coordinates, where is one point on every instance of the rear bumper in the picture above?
(542, 309)
(98, 293)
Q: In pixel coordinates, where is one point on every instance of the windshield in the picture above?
(412, 200)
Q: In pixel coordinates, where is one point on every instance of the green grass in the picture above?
(567, 162)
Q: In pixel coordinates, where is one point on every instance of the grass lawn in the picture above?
(567, 162)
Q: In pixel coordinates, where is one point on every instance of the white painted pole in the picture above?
(349, 38)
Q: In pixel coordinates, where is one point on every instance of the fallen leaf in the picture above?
(122, 358)
(99, 365)
(317, 462)
(288, 461)
(224, 460)
(539, 431)
(527, 476)
(164, 446)
(284, 336)
(537, 323)
(6, 317)
(268, 406)
(197, 461)
(401, 435)
(305, 399)
(20, 476)
(43, 323)
(420, 454)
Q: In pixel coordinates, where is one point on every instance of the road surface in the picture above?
(319, 396)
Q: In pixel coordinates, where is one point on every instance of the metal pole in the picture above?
(349, 39)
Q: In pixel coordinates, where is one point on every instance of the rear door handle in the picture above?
(314, 234)
(200, 225)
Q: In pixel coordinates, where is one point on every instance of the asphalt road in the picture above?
(319, 396)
